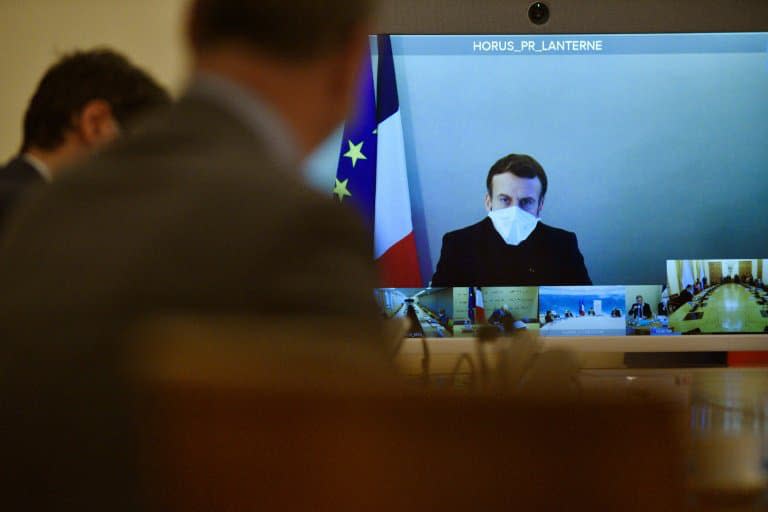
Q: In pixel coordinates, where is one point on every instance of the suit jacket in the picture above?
(645, 313)
(478, 256)
(193, 215)
(16, 177)
(685, 296)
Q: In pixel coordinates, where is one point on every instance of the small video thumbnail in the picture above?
(582, 310)
(509, 309)
(717, 296)
(429, 310)
(647, 311)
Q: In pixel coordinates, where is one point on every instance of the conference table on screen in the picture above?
(729, 307)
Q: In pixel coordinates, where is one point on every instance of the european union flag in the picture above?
(356, 173)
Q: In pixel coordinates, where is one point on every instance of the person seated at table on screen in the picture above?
(511, 246)
(665, 307)
(499, 314)
(686, 294)
(697, 287)
(442, 318)
(640, 309)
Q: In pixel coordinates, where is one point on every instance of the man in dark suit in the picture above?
(202, 212)
(81, 104)
(511, 247)
(686, 295)
(640, 309)
(18, 175)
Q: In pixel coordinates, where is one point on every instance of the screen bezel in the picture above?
(571, 17)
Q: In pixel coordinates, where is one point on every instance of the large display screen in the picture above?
(503, 161)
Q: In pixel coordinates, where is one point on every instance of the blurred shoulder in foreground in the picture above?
(200, 212)
(202, 209)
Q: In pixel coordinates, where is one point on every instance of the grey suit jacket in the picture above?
(192, 215)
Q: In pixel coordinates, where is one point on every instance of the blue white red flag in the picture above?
(372, 173)
(394, 241)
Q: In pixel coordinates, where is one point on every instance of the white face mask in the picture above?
(513, 224)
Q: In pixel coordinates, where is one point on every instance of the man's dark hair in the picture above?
(84, 76)
(522, 166)
(289, 29)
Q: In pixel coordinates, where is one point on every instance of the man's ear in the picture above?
(95, 124)
(488, 202)
(541, 207)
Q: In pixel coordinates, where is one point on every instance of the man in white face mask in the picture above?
(511, 246)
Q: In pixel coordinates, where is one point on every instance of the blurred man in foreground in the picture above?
(205, 208)
(202, 213)
(83, 102)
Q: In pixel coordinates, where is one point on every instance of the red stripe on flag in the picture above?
(479, 307)
(399, 265)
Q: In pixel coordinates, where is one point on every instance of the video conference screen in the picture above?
(567, 161)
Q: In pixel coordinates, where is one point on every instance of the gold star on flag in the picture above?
(355, 152)
(340, 189)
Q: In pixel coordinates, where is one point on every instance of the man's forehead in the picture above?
(515, 186)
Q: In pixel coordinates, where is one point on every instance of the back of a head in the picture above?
(297, 30)
(78, 78)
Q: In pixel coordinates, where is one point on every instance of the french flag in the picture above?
(582, 311)
(394, 242)
(479, 306)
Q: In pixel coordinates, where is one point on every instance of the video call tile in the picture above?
(582, 310)
(717, 296)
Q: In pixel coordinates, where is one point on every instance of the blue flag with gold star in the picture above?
(471, 303)
(356, 174)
